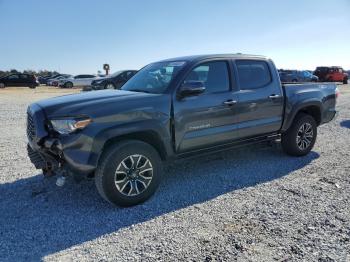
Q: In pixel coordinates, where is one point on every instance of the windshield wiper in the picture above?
(139, 90)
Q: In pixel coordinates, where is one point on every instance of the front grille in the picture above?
(30, 127)
(36, 158)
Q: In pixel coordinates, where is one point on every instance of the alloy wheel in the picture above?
(133, 175)
(304, 136)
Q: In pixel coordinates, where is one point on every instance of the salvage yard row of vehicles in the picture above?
(90, 82)
(321, 74)
(172, 109)
(115, 81)
(294, 76)
(332, 74)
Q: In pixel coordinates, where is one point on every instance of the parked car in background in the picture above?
(113, 81)
(51, 80)
(332, 74)
(43, 79)
(55, 82)
(19, 79)
(297, 76)
(77, 81)
(172, 109)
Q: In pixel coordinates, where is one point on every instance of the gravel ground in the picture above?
(251, 204)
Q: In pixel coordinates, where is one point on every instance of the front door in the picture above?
(13, 80)
(260, 107)
(120, 80)
(210, 118)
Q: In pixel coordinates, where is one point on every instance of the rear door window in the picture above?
(253, 74)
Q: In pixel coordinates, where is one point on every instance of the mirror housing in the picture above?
(191, 88)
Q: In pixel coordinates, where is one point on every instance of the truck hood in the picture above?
(91, 103)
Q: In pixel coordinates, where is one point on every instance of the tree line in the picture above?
(37, 73)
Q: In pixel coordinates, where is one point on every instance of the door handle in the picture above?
(230, 102)
(273, 96)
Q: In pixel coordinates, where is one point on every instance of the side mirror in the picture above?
(191, 88)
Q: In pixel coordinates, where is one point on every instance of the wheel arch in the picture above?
(148, 136)
(310, 108)
(65, 84)
(313, 111)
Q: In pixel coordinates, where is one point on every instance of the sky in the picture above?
(79, 36)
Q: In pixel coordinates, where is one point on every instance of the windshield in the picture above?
(307, 74)
(154, 78)
(114, 74)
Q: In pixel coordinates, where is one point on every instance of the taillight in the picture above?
(337, 93)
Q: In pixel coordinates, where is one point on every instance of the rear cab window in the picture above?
(253, 74)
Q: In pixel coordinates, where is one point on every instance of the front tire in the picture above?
(68, 85)
(109, 86)
(300, 138)
(2, 85)
(345, 81)
(128, 173)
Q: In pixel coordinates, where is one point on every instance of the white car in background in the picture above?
(56, 79)
(77, 81)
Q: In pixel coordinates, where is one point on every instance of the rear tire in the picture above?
(128, 173)
(32, 87)
(300, 138)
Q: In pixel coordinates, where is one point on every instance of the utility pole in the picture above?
(106, 68)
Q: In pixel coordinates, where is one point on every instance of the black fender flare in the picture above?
(291, 113)
(132, 131)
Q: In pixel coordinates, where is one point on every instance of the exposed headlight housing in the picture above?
(65, 126)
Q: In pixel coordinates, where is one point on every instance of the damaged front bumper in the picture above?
(65, 156)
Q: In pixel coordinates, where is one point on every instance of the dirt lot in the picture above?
(251, 204)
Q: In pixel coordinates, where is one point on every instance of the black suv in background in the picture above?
(19, 80)
(113, 81)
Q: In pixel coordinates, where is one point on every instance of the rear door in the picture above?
(78, 80)
(207, 119)
(260, 105)
(87, 79)
(339, 75)
(24, 80)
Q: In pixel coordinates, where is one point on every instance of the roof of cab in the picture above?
(194, 58)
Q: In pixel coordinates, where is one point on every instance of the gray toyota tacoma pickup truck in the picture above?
(172, 109)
